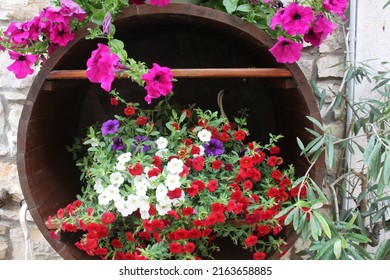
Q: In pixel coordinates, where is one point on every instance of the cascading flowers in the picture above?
(165, 183)
(29, 43)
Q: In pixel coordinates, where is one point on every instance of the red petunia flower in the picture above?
(129, 111)
(240, 135)
(135, 169)
(251, 240)
(175, 248)
(108, 218)
(259, 256)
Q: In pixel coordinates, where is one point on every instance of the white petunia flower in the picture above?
(110, 193)
(144, 215)
(119, 203)
(162, 143)
(204, 135)
(123, 158)
(120, 167)
(116, 179)
(144, 205)
(98, 187)
(163, 208)
(161, 192)
(133, 202)
(172, 182)
(175, 166)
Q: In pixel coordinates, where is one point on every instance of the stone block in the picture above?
(9, 180)
(15, 95)
(334, 43)
(3, 248)
(331, 65)
(4, 229)
(15, 111)
(41, 249)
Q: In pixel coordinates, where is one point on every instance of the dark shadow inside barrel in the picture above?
(179, 36)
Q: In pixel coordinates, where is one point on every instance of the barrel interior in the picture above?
(57, 111)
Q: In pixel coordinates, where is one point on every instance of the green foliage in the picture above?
(347, 235)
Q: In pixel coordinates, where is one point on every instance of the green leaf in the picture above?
(329, 150)
(324, 224)
(355, 237)
(300, 145)
(315, 228)
(316, 122)
(383, 251)
(230, 5)
(98, 16)
(379, 214)
(369, 148)
(337, 248)
(244, 8)
(386, 169)
(361, 251)
(374, 162)
(352, 221)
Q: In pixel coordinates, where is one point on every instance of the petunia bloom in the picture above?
(110, 127)
(118, 144)
(296, 19)
(22, 64)
(286, 50)
(213, 148)
(158, 82)
(102, 66)
(335, 6)
(321, 28)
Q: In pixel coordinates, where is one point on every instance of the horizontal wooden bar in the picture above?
(190, 73)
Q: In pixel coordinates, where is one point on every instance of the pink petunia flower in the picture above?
(22, 64)
(102, 66)
(18, 33)
(335, 6)
(158, 82)
(296, 19)
(321, 28)
(72, 10)
(286, 50)
(277, 19)
(60, 34)
(161, 3)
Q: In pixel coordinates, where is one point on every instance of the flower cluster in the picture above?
(52, 28)
(164, 183)
(32, 41)
(290, 22)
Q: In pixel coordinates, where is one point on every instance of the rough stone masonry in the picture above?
(316, 64)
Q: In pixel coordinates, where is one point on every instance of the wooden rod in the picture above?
(190, 73)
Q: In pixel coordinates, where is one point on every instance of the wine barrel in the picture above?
(181, 36)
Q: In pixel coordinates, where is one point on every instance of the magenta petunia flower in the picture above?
(60, 34)
(335, 6)
(18, 33)
(72, 10)
(321, 28)
(277, 18)
(296, 19)
(22, 64)
(161, 3)
(102, 66)
(110, 127)
(286, 50)
(158, 82)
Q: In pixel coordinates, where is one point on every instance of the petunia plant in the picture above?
(29, 43)
(165, 183)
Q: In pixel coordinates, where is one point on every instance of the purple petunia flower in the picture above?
(213, 148)
(138, 144)
(118, 144)
(110, 127)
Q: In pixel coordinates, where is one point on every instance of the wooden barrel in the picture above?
(179, 36)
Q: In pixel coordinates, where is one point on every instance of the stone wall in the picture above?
(316, 64)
